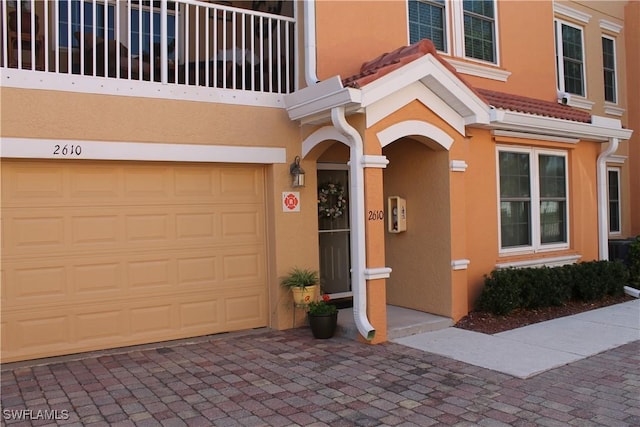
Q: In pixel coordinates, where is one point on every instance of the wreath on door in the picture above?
(331, 201)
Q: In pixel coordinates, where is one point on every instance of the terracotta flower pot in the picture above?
(323, 326)
(303, 296)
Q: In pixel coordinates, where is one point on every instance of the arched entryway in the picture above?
(419, 257)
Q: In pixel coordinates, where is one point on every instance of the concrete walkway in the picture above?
(536, 348)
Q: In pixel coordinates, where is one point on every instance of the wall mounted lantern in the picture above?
(297, 173)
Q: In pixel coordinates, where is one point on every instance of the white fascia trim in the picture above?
(438, 79)
(27, 79)
(371, 161)
(514, 134)
(318, 100)
(511, 120)
(460, 264)
(27, 148)
(377, 273)
(569, 12)
(610, 26)
(479, 70)
(458, 166)
(411, 128)
(541, 262)
(614, 158)
(415, 91)
(613, 110)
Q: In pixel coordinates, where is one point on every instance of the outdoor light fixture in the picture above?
(297, 173)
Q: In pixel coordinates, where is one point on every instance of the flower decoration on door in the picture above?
(331, 201)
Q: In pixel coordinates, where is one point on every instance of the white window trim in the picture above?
(569, 12)
(457, 11)
(560, 54)
(615, 70)
(536, 246)
(618, 172)
(447, 28)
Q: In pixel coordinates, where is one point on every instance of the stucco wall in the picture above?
(292, 237)
(420, 256)
(482, 201)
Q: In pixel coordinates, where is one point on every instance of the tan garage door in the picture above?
(105, 254)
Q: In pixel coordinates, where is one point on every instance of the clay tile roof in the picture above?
(391, 61)
(538, 107)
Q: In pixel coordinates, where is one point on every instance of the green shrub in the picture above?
(634, 263)
(508, 289)
(501, 293)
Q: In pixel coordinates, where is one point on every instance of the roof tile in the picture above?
(391, 61)
(538, 107)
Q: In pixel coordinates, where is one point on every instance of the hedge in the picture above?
(508, 289)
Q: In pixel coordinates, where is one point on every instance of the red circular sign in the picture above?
(291, 201)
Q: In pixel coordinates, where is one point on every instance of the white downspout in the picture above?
(357, 214)
(603, 222)
(310, 75)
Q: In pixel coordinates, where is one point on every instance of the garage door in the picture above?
(105, 254)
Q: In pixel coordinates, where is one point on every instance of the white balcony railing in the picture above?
(184, 42)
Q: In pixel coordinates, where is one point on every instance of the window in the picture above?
(479, 30)
(427, 21)
(569, 58)
(533, 199)
(151, 29)
(615, 226)
(609, 67)
(71, 13)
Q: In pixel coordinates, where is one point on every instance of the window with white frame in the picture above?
(615, 220)
(145, 23)
(480, 29)
(570, 58)
(609, 68)
(533, 199)
(427, 20)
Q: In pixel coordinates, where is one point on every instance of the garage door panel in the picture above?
(238, 185)
(26, 182)
(107, 254)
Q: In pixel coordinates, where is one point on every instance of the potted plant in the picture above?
(303, 283)
(323, 317)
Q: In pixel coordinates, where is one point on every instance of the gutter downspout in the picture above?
(357, 214)
(603, 223)
(310, 71)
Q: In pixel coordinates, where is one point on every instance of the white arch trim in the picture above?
(414, 127)
(323, 134)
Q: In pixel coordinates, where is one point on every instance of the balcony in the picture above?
(184, 43)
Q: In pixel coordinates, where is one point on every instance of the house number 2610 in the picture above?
(67, 150)
(376, 215)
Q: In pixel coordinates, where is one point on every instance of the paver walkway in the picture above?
(286, 378)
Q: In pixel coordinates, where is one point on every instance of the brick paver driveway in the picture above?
(271, 378)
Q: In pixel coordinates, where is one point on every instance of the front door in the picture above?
(333, 227)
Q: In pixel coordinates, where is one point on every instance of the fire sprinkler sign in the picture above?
(291, 201)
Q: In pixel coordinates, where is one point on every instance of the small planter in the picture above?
(323, 326)
(303, 296)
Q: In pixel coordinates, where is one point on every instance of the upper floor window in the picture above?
(533, 199)
(609, 67)
(569, 58)
(615, 225)
(427, 21)
(480, 29)
(77, 17)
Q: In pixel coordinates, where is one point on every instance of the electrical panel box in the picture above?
(397, 214)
